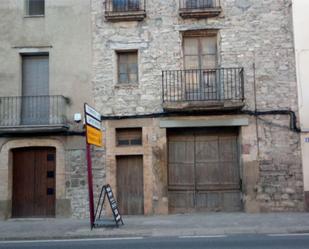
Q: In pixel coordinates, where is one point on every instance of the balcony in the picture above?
(33, 114)
(125, 10)
(199, 8)
(199, 89)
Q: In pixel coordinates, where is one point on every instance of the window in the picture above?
(125, 5)
(35, 7)
(129, 136)
(200, 51)
(127, 67)
(197, 4)
(200, 61)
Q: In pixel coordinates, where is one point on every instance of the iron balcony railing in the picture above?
(114, 6)
(219, 84)
(187, 5)
(32, 111)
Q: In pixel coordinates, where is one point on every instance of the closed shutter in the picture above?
(200, 61)
(35, 90)
(127, 68)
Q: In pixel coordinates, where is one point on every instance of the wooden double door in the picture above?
(203, 170)
(34, 172)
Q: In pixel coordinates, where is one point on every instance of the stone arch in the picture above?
(6, 169)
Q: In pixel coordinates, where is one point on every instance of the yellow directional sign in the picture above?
(94, 136)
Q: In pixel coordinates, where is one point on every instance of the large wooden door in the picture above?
(130, 187)
(34, 182)
(204, 170)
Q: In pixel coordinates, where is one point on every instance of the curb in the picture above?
(153, 234)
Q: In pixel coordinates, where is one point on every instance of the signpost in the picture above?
(93, 137)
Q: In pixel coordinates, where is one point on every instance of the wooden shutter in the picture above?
(127, 68)
(35, 83)
(200, 52)
(208, 52)
(35, 76)
(191, 53)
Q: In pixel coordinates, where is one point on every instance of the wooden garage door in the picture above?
(34, 182)
(130, 187)
(203, 170)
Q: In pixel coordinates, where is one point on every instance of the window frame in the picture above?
(198, 34)
(118, 53)
(26, 9)
(130, 134)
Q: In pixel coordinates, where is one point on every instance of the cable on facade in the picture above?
(42, 134)
(293, 118)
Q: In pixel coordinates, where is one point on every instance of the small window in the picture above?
(35, 7)
(198, 4)
(129, 136)
(127, 67)
(125, 5)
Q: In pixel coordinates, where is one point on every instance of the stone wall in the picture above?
(256, 35)
(250, 32)
(77, 183)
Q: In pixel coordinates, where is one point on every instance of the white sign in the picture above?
(92, 112)
(93, 122)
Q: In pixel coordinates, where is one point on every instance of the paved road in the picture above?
(288, 241)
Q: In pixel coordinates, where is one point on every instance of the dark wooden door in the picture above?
(130, 187)
(204, 170)
(34, 182)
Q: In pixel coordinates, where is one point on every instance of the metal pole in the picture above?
(90, 185)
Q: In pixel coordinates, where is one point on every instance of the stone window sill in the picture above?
(34, 16)
(126, 86)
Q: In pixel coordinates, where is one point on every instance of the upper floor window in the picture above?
(200, 50)
(125, 10)
(127, 67)
(197, 4)
(126, 5)
(35, 7)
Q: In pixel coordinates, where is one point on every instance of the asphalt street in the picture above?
(279, 241)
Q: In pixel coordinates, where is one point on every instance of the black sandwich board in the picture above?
(107, 191)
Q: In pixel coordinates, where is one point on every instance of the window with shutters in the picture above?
(200, 62)
(35, 7)
(128, 136)
(200, 50)
(197, 4)
(126, 5)
(127, 67)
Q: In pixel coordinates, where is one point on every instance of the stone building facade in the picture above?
(198, 102)
(177, 133)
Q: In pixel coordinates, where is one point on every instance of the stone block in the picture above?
(63, 208)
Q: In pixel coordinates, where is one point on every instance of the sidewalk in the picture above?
(171, 225)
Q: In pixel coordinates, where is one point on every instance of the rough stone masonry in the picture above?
(256, 35)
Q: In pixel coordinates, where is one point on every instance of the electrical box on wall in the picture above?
(77, 117)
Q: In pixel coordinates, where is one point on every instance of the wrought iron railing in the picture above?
(32, 110)
(114, 6)
(187, 5)
(219, 84)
